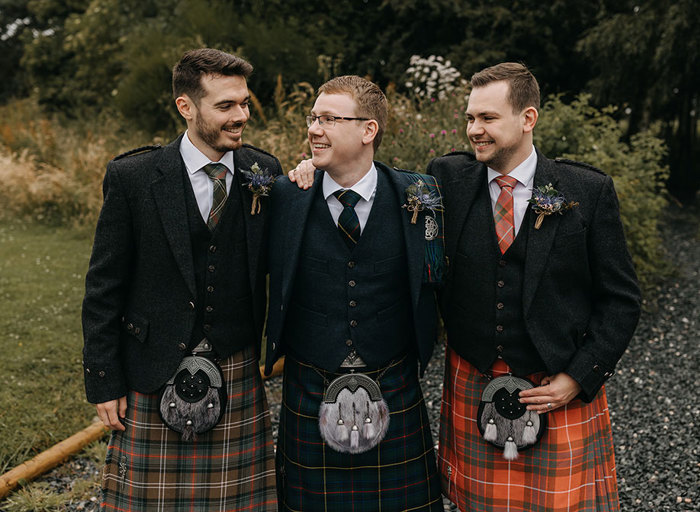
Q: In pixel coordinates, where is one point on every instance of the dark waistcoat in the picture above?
(223, 304)
(487, 322)
(351, 299)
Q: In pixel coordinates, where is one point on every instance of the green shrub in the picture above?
(581, 132)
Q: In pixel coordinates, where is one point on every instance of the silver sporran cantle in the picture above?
(353, 417)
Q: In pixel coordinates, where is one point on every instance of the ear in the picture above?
(185, 106)
(530, 116)
(371, 130)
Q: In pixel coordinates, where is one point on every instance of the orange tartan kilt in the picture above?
(572, 468)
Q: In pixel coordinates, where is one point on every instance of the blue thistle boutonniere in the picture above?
(418, 198)
(259, 183)
(546, 201)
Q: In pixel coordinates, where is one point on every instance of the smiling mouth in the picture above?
(321, 146)
(235, 129)
(482, 143)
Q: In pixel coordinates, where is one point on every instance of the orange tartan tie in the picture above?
(503, 214)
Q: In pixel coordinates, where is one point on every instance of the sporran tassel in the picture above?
(510, 452)
(529, 432)
(491, 432)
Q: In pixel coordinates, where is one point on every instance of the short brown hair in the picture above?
(524, 89)
(187, 74)
(370, 99)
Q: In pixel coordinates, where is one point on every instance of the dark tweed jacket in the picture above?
(141, 272)
(580, 300)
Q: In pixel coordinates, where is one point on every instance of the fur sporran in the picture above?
(194, 399)
(506, 423)
(353, 417)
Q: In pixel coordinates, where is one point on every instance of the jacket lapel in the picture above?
(462, 191)
(168, 193)
(295, 224)
(539, 241)
(254, 224)
(413, 234)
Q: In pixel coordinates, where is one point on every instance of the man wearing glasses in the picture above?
(352, 308)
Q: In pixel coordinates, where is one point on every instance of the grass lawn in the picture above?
(42, 272)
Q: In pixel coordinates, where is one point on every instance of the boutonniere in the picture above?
(546, 201)
(259, 182)
(419, 198)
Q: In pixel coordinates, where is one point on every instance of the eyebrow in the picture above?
(232, 102)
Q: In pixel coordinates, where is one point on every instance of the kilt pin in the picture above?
(572, 468)
(398, 474)
(229, 468)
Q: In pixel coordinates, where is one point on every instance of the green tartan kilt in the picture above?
(230, 468)
(399, 474)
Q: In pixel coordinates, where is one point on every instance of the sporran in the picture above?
(353, 417)
(194, 399)
(505, 422)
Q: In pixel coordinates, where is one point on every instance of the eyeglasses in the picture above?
(329, 121)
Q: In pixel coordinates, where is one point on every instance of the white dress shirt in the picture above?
(525, 174)
(202, 185)
(366, 187)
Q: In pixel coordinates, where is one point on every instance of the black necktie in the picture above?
(348, 223)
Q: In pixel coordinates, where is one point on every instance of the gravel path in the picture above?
(653, 397)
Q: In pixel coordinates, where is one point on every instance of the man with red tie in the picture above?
(540, 288)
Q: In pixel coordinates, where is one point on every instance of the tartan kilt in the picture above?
(229, 468)
(399, 474)
(572, 468)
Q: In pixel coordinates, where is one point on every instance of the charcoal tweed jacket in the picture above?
(580, 298)
(138, 312)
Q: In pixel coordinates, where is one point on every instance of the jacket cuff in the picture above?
(590, 373)
(103, 383)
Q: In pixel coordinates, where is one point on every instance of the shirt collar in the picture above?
(365, 187)
(194, 159)
(524, 173)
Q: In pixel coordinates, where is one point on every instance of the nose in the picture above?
(474, 128)
(315, 128)
(240, 113)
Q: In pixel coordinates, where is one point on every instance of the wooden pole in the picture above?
(50, 458)
(62, 451)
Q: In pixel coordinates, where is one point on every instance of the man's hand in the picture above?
(303, 174)
(110, 412)
(555, 391)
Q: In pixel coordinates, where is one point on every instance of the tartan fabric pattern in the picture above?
(399, 474)
(217, 174)
(503, 213)
(572, 468)
(348, 223)
(230, 468)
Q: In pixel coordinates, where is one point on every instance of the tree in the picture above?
(645, 55)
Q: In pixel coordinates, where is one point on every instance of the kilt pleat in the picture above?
(230, 468)
(572, 468)
(399, 474)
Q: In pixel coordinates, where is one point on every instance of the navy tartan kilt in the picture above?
(399, 474)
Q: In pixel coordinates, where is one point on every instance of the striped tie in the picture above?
(217, 174)
(348, 223)
(503, 214)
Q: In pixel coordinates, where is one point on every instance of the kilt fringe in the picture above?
(230, 468)
(571, 468)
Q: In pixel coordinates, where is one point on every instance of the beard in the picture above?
(500, 159)
(211, 135)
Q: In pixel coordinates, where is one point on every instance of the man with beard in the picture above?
(540, 286)
(178, 268)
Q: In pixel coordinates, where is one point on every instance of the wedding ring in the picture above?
(549, 405)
